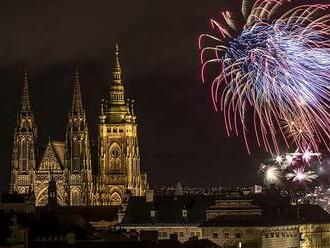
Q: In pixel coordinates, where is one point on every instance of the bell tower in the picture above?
(24, 152)
(119, 158)
(77, 151)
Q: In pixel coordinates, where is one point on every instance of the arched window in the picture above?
(75, 197)
(115, 199)
(24, 148)
(76, 156)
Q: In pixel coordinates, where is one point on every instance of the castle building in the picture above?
(254, 221)
(69, 163)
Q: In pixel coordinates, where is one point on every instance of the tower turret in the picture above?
(77, 149)
(24, 152)
(119, 159)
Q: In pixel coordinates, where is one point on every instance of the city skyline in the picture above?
(165, 123)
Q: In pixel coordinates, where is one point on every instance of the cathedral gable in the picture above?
(53, 158)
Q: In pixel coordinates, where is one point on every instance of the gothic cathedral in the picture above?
(79, 182)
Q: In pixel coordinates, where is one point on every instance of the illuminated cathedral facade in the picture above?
(116, 173)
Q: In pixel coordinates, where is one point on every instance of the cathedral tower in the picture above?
(77, 151)
(119, 158)
(24, 152)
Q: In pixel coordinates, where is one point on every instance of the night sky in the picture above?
(180, 134)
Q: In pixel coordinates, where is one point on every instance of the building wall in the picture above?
(232, 236)
(184, 233)
(254, 237)
(281, 236)
(315, 235)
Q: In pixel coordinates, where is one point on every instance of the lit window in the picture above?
(184, 213)
(152, 213)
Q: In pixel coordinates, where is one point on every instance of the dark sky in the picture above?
(180, 134)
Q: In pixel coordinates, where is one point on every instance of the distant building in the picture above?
(255, 221)
(69, 163)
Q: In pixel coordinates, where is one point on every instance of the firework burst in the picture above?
(298, 167)
(272, 174)
(274, 70)
(301, 175)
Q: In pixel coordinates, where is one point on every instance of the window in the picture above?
(152, 213)
(115, 199)
(184, 213)
(238, 235)
(74, 198)
(164, 234)
(181, 234)
(192, 234)
(215, 235)
(198, 234)
(226, 235)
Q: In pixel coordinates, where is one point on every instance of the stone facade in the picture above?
(69, 162)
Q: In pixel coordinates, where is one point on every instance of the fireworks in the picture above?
(272, 174)
(274, 70)
(297, 167)
(301, 175)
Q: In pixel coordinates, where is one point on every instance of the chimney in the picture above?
(149, 196)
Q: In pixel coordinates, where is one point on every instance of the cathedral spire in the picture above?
(116, 73)
(117, 91)
(25, 99)
(76, 100)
